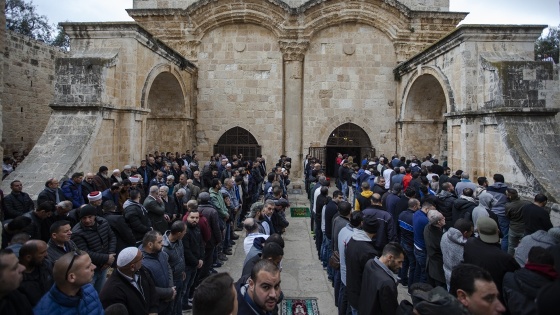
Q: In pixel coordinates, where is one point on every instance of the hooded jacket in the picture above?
(462, 209)
(498, 192)
(520, 290)
(483, 208)
(453, 245)
(444, 204)
(359, 250)
(539, 238)
(363, 200)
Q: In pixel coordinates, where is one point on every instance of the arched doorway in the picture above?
(237, 141)
(424, 128)
(348, 139)
(164, 130)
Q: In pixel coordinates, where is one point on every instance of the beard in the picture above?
(106, 176)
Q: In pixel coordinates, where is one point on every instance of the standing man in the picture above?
(216, 295)
(419, 222)
(173, 246)
(93, 235)
(380, 282)
(432, 238)
(136, 216)
(535, 216)
(17, 202)
(72, 190)
(72, 292)
(193, 247)
(60, 242)
(130, 284)
(156, 210)
(157, 263)
(387, 228)
(407, 242)
(51, 192)
(498, 206)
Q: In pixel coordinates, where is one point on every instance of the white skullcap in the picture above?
(126, 167)
(182, 191)
(116, 171)
(134, 179)
(126, 256)
(228, 165)
(371, 163)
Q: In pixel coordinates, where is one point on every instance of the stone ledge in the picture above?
(505, 111)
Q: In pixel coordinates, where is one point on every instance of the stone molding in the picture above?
(293, 50)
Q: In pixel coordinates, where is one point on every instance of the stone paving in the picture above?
(302, 272)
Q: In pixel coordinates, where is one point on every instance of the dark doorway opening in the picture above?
(330, 162)
(238, 141)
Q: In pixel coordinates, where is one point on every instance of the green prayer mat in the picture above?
(299, 306)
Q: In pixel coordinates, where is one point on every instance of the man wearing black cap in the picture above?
(359, 250)
(102, 180)
(93, 234)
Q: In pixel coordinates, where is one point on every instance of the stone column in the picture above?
(293, 53)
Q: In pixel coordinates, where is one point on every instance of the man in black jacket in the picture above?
(17, 202)
(380, 283)
(359, 250)
(12, 301)
(444, 202)
(51, 192)
(118, 224)
(37, 277)
(131, 285)
(194, 253)
(136, 216)
(94, 235)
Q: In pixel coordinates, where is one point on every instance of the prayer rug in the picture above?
(299, 306)
(299, 212)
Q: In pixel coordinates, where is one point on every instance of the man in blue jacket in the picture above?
(72, 190)
(72, 292)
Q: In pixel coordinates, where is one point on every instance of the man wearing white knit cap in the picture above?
(131, 285)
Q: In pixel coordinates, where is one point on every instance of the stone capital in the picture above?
(293, 50)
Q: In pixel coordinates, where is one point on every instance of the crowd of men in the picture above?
(163, 229)
(456, 245)
(142, 239)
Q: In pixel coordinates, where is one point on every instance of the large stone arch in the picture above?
(154, 73)
(208, 15)
(165, 97)
(422, 125)
(389, 17)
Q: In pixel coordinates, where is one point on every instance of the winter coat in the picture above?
(539, 238)
(158, 267)
(358, 251)
(57, 303)
(101, 183)
(363, 200)
(391, 204)
(520, 290)
(86, 189)
(16, 205)
(156, 211)
(434, 261)
(462, 209)
(15, 302)
(535, 218)
(176, 253)
(490, 257)
(137, 218)
(193, 246)
(73, 192)
(514, 212)
(213, 219)
(444, 204)
(498, 192)
(483, 208)
(35, 284)
(122, 231)
(118, 289)
(49, 194)
(54, 252)
(386, 231)
(453, 245)
(381, 287)
(98, 240)
(217, 201)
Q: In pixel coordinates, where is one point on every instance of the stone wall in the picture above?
(348, 78)
(28, 74)
(2, 47)
(240, 84)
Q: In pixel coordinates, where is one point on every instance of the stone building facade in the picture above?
(292, 77)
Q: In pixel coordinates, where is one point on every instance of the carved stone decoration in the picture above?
(349, 49)
(293, 50)
(239, 47)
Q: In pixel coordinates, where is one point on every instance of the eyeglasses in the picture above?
(77, 253)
